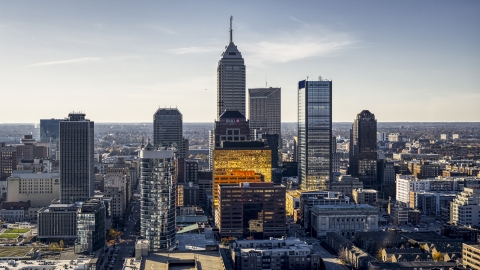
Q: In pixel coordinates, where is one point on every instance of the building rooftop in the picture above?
(207, 260)
(341, 207)
(232, 114)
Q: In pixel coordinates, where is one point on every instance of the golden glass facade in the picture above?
(232, 178)
(259, 161)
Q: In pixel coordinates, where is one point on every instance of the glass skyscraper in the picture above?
(49, 129)
(157, 192)
(314, 134)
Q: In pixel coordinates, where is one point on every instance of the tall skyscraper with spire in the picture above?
(231, 79)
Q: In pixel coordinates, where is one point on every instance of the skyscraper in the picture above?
(363, 149)
(264, 110)
(231, 79)
(168, 129)
(49, 129)
(315, 134)
(76, 158)
(157, 192)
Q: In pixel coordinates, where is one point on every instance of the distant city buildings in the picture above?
(315, 134)
(76, 158)
(231, 79)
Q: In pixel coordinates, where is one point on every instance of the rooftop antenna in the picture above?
(231, 31)
(266, 81)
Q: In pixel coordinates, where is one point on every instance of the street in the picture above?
(128, 238)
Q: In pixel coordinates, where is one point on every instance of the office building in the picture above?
(274, 254)
(186, 171)
(315, 134)
(231, 79)
(58, 222)
(264, 110)
(157, 197)
(168, 130)
(425, 169)
(386, 173)
(29, 149)
(363, 149)
(76, 159)
(252, 209)
(365, 196)
(346, 184)
(464, 209)
(231, 126)
(90, 226)
(308, 199)
(38, 188)
(345, 220)
(8, 160)
(49, 129)
(230, 177)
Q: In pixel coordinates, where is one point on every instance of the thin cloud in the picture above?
(278, 52)
(188, 50)
(62, 62)
(298, 21)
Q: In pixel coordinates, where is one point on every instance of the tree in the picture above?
(61, 244)
(437, 256)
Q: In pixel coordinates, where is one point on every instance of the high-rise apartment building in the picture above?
(315, 134)
(76, 159)
(231, 79)
(157, 192)
(168, 129)
(264, 110)
(363, 149)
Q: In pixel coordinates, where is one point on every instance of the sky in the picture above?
(119, 61)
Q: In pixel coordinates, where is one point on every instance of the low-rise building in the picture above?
(58, 222)
(38, 188)
(345, 184)
(345, 220)
(275, 254)
(365, 196)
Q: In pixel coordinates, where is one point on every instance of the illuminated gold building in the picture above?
(292, 202)
(258, 159)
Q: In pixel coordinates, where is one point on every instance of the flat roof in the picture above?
(208, 260)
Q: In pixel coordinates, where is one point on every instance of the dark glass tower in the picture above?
(168, 129)
(231, 79)
(49, 129)
(363, 149)
(315, 134)
(76, 158)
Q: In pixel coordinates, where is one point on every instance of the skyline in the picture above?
(121, 63)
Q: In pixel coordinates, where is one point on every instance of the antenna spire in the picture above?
(231, 31)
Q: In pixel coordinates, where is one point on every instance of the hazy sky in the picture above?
(119, 61)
